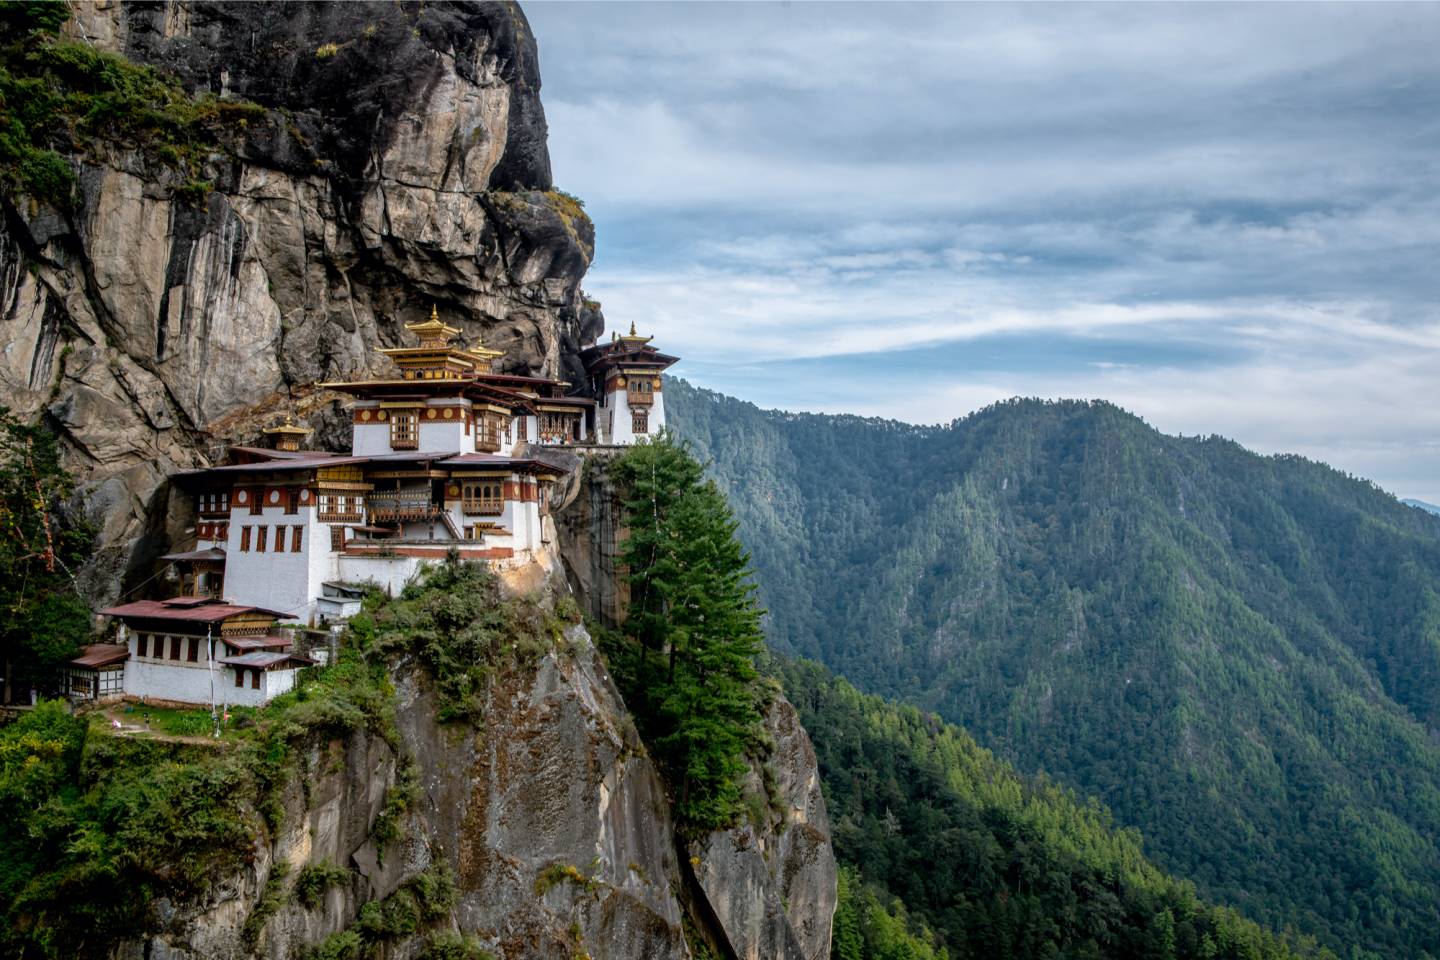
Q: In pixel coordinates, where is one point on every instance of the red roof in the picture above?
(101, 655)
(194, 609)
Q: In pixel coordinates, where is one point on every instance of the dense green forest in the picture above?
(1001, 867)
(1240, 655)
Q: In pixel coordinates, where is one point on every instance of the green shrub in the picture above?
(449, 945)
(315, 879)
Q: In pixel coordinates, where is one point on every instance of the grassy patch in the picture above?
(315, 879)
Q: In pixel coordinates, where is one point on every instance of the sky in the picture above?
(1224, 218)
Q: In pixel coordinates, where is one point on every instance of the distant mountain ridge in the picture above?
(1239, 654)
(1421, 504)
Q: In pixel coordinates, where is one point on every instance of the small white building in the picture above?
(206, 651)
(98, 673)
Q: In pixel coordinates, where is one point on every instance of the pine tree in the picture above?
(695, 625)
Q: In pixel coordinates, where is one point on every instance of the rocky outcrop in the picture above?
(400, 161)
(552, 819)
(772, 885)
(589, 517)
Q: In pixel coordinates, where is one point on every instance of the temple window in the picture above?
(254, 679)
(174, 648)
(292, 500)
(244, 539)
(404, 430)
(486, 499)
(640, 421)
(193, 654)
(239, 676)
(257, 501)
(487, 433)
(142, 645)
(260, 534)
(522, 424)
(296, 534)
(337, 538)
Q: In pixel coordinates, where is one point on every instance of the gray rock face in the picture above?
(401, 162)
(772, 887)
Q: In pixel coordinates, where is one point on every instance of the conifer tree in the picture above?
(695, 627)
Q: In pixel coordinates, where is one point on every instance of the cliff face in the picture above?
(552, 820)
(400, 162)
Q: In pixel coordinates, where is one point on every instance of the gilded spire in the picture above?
(434, 313)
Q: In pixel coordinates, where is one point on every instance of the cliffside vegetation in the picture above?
(61, 96)
(1239, 655)
(104, 824)
(1000, 866)
(41, 546)
(685, 660)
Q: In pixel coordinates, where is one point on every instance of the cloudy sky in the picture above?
(1225, 218)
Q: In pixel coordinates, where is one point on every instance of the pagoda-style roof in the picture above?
(629, 350)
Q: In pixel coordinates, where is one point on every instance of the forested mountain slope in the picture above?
(999, 866)
(1239, 654)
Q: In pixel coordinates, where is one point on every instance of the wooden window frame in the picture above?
(262, 533)
(255, 679)
(142, 644)
(640, 422)
(482, 498)
(239, 676)
(245, 539)
(337, 538)
(175, 648)
(297, 537)
(405, 430)
(257, 501)
(192, 653)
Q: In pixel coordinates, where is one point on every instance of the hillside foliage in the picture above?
(1001, 867)
(1240, 655)
(41, 547)
(96, 813)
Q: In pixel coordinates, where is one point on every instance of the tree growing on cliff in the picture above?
(45, 619)
(694, 629)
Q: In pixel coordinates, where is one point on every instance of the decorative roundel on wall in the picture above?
(430, 414)
(619, 381)
(241, 496)
(655, 383)
(453, 490)
(449, 413)
(380, 415)
(274, 496)
(364, 414)
(305, 495)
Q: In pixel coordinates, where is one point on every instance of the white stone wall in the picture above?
(617, 403)
(287, 582)
(174, 679)
(272, 684)
(388, 573)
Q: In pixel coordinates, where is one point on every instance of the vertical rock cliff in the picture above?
(399, 160)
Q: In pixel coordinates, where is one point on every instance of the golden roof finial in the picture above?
(632, 329)
(434, 312)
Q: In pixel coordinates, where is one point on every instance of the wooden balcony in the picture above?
(341, 516)
(404, 505)
(638, 399)
(483, 507)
